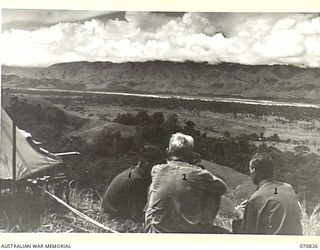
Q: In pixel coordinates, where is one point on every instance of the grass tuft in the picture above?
(311, 222)
(55, 218)
(85, 202)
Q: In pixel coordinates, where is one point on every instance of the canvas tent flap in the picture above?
(28, 159)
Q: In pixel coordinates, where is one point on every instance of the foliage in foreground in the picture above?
(66, 221)
(61, 220)
(40, 213)
(311, 222)
(85, 202)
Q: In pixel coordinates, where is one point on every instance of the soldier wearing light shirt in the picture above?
(179, 193)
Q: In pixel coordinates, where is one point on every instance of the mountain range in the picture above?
(189, 78)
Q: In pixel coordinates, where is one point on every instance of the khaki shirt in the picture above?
(272, 209)
(178, 196)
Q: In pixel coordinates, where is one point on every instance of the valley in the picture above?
(264, 82)
(228, 130)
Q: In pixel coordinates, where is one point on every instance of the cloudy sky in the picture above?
(45, 37)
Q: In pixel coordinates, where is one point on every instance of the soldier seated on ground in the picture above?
(273, 208)
(126, 195)
(182, 195)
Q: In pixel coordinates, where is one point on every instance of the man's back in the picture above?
(272, 209)
(125, 197)
(176, 194)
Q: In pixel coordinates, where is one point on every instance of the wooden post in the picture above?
(0, 193)
(13, 202)
(14, 152)
(67, 192)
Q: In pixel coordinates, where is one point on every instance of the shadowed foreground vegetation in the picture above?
(61, 220)
(43, 214)
(109, 153)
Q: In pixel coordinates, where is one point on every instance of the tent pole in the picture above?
(14, 151)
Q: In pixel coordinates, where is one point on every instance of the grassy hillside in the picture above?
(108, 146)
(272, 82)
(240, 187)
(93, 127)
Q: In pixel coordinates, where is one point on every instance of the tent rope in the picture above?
(75, 211)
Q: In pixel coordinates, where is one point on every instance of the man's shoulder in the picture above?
(275, 184)
(287, 185)
(130, 169)
(172, 163)
(185, 166)
(179, 166)
(133, 171)
(270, 190)
(159, 166)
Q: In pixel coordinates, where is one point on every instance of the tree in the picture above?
(275, 137)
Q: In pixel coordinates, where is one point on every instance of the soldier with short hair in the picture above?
(180, 195)
(274, 207)
(126, 195)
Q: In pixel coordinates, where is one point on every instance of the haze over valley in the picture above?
(280, 82)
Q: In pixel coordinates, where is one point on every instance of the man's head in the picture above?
(261, 167)
(180, 146)
(150, 155)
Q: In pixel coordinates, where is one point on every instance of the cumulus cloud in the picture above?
(247, 38)
(33, 19)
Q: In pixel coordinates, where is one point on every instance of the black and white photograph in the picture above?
(160, 122)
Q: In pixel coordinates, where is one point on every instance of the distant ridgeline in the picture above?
(250, 81)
